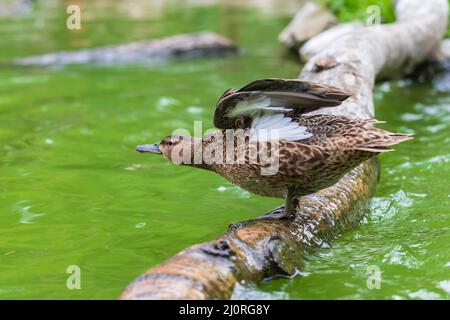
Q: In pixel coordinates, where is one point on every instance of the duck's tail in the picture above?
(379, 140)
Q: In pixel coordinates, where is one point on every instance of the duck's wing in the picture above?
(271, 103)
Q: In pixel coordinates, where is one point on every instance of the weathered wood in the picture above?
(254, 250)
(321, 41)
(309, 21)
(186, 46)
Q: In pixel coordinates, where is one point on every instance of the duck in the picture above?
(268, 143)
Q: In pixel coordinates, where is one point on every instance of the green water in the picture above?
(74, 192)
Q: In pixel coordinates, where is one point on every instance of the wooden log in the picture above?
(309, 21)
(254, 250)
(186, 46)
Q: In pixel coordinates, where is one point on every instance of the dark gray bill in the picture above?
(151, 148)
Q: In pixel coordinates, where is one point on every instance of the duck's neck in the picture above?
(196, 157)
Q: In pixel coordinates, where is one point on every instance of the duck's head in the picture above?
(178, 149)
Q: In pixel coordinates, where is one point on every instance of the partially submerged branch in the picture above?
(186, 46)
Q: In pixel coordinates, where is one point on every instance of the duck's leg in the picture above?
(291, 203)
(283, 212)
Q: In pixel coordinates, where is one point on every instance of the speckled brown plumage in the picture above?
(338, 145)
(313, 154)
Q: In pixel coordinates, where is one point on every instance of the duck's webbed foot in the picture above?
(275, 214)
(284, 212)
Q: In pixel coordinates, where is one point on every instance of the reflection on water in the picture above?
(74, 191)
(26, 215)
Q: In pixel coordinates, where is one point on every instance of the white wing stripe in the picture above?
(263, 128)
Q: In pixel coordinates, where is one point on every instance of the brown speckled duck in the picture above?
(296, 154)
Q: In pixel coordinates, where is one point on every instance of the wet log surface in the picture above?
(186, 46)
(255, 250)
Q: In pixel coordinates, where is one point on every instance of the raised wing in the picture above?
(239, 109)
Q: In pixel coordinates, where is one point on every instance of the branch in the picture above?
(185, 46)
(255, 250)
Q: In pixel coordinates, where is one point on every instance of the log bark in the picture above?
(309, 21)
(255, 250)
(185, 46)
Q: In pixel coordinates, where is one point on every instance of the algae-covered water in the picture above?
(74, 192)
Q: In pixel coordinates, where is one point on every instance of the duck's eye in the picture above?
(170, 143)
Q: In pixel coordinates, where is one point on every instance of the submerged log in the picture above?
(255, 250)
(186, 46)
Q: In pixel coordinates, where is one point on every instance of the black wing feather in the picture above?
(300, 96)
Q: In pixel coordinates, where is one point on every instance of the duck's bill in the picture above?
(149, 148)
